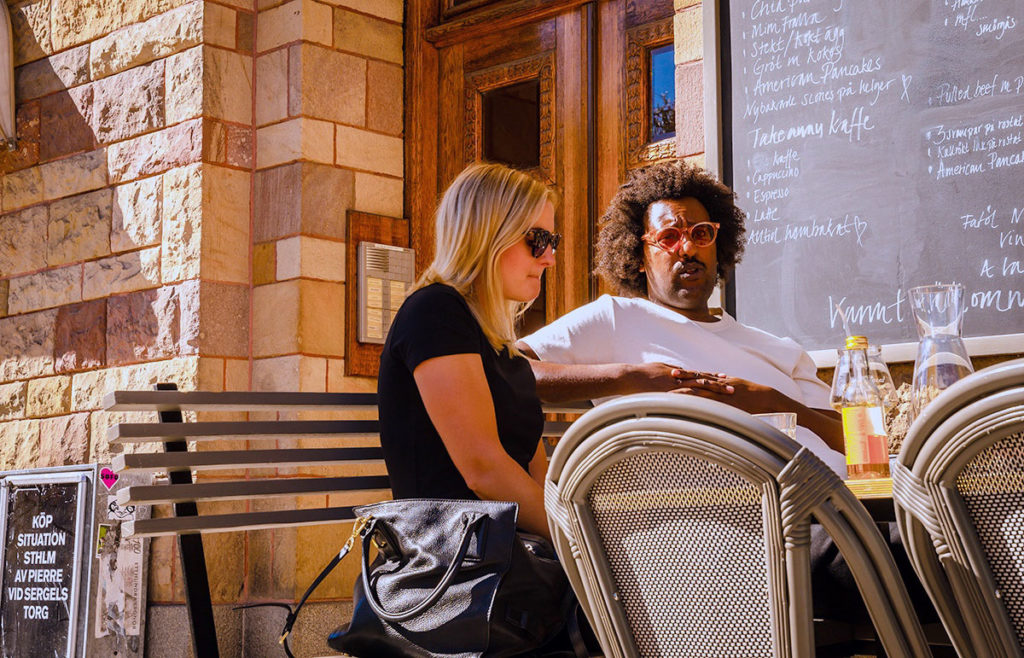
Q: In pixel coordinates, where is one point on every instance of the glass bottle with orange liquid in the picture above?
(861, 404)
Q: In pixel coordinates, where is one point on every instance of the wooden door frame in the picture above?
(434, 53)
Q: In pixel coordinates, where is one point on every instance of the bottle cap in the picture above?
(856, 342)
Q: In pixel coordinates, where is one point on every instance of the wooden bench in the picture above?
(178, 461)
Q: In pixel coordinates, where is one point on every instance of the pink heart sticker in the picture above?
(109, 478)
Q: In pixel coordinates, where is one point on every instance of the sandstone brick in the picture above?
(12, 400)
(224, 319)
(306, 139)
(271, 80)
(225, 555)
(75, 22)
(245, 22)
(390, 9)
(215, 137)
(64, 440)
(26, 345)
(239, 146)
(264, 263)
(184, 90)
(135, 219)
(30, 23)
(321, 314)
(182, 223)
(366, 150)
(129, 103)
(385, 94)
(381, 195)
(26, 153)
(236, 374)
(310, 258)
(79, 339)
(680, 5)
(227, 85)
(20, 234)
(141, 43)
(156, 152)
(690, 109)
(211, 374)
(5, 287)
(289, 373)
(153, 324)
(337, 382)
(688, 38)
(88, 388)
(326, 84)
(61, 71)
(368, 36)
(22, 188)
(225, 224)
(48, 396)
(271, 555)
(162, 562)
(19, 444)
(45, 289)
(66, 123)
(79, 227)
(303, 198)
(275, 320)
(303, 20)
(74, 175)
(136, 270)
(219, 25)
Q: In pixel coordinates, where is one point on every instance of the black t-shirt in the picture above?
(436, 321)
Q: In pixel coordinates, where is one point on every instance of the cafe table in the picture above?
(876, 495)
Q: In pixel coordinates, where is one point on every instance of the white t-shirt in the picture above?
(635, 330)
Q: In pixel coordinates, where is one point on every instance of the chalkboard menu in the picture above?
(876, 146)
(41, 568)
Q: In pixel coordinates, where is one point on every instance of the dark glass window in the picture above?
(511, 125)
(663, 94)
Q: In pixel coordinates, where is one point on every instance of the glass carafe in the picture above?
(941, 354)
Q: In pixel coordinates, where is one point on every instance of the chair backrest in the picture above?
(958, 486)
(684, 526)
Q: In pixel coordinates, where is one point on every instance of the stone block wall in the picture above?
(688, 41)
(175, 211)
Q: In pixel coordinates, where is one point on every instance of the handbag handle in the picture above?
(471, 521)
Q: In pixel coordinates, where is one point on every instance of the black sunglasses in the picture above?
(538, 239)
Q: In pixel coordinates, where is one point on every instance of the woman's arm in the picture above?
(458, 400)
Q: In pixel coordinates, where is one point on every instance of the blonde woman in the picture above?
(460, 417)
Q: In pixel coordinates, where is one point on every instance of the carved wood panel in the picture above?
(639, 43)
(541, 68)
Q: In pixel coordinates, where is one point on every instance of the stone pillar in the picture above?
(329, 121)
(689, 61)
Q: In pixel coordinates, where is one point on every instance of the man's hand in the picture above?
(663, 377)
(740, 393)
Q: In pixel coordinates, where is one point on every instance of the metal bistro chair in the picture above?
(958, 486)
(684, 525)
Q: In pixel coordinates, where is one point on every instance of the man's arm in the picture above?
(757, 399)
(561, 382)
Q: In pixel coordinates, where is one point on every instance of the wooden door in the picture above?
(558, 87)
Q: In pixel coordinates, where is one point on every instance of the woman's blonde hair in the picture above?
(487, 209)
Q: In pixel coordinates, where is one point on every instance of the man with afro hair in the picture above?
(668, 237)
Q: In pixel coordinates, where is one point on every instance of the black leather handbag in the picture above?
(454, 578)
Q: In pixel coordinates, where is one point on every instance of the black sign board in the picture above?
(876, 146)
(42, 558)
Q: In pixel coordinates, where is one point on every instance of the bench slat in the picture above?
(236, 401)
(142, 432)
(234, 489)
(245, 458)
(176, 525)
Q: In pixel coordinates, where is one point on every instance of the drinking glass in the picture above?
(784, 421)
